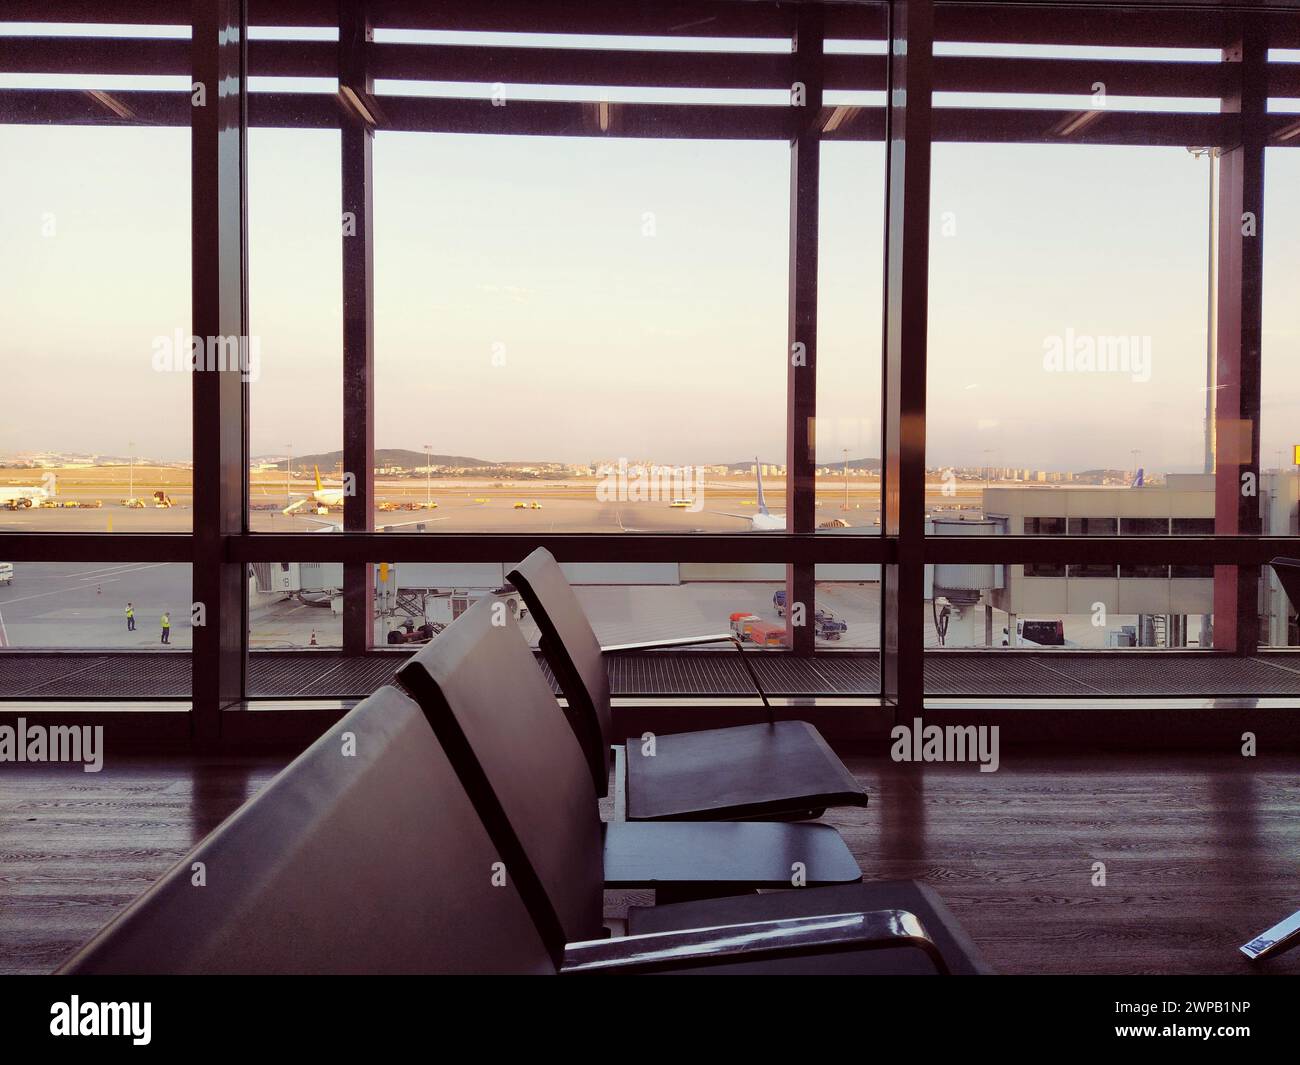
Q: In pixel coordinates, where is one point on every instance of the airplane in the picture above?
(1139, 480)
(321, 497)
(22, 496)
(764, 520)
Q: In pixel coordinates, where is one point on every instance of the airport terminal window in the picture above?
(1192, 527)
(587, 334)
(1085, 607)
(1280, 353)
(848, 609)
(520, 279)
(96, 433)
(295, 605)
(296, 322)
(1144, 527)
(1066, 375)
(112, 609)
(1092, 527)
(850, 254)
(1044, 527)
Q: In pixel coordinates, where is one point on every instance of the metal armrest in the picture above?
(671, 641)
(1283, 936)
(758, 941)
(691, 641)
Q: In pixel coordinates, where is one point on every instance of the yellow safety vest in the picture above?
(130, 613)
(166, 622)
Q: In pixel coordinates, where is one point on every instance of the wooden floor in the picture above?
(1200, 852)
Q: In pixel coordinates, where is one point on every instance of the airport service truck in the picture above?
(766, 634)
(828, 626)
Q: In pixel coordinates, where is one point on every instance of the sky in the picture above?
(573, 299)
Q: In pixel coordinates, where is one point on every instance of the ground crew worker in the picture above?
(166, 627)
(130, 618)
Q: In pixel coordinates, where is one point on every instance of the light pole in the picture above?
(288, 476)
(428, 476)
(846, 478)
(130, 482)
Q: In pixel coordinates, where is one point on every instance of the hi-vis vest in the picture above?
(130, 612)
(166, 622)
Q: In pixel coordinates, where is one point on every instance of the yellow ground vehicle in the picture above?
(534, 505)
(521, 506)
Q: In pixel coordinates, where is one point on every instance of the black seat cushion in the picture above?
(746, 771)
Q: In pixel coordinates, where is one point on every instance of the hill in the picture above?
(384, 456)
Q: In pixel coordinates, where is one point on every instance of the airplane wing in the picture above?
(325, 526)
(294, 506)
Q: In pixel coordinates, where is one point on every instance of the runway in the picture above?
(463, 505)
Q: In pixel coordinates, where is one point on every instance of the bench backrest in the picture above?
(500, 725)
(365, 855)
(571, 648)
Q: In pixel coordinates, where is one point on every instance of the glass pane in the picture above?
(296, 322)
(295, 605)
(95, 607)
(581, 335)
(96, 432)
(849, 305)
(1070, 606)
(1067, 379)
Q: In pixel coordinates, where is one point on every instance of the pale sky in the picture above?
(573, 299)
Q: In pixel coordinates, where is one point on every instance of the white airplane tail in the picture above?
(758, 470)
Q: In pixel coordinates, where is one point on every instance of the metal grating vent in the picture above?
(78, 675)
(709, 673)
(318, 675)
(997, 674)
(280, 674)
